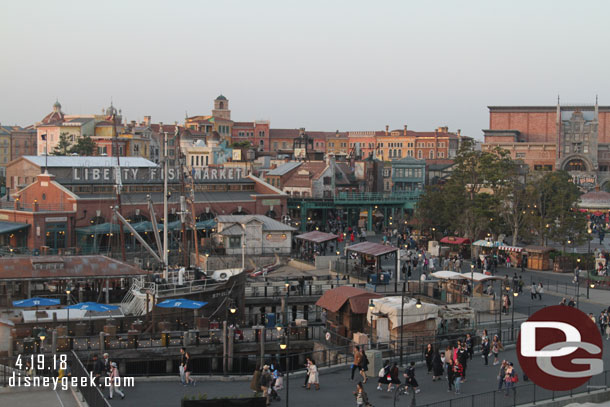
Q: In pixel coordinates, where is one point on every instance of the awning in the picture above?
(8, 227)
(390, 307)
(486, 243)
(317, 237)
(511, 248)
(446, 275)
(372, 249)
(455, 240)
(101, 229)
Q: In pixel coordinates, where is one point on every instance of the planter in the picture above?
(236, 402)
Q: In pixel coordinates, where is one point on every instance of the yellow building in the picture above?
(337, 144)
(5, 148)
(394, 145)
(219, 120)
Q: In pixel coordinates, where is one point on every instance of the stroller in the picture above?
(277, 385)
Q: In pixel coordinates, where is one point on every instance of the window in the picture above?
(520, 155)
(261, 134)
(275, 146)
(102, 150)
(327, 180)
(386, 172)
(441, 154)
(420, 154)
(410, 153)
(431, 154)
(284, 144)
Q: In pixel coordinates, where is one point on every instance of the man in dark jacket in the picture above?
(463, 359)
(98, 371)
(485, 350)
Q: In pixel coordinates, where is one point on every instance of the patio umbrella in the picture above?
(181, 303)
(35, 302)
(93, 307)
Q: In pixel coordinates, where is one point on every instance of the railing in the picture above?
(523, 394)
(377, 196)
(92, 394)
(38, 207)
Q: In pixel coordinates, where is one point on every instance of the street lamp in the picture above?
(472, 279)
(284, 344)
(42, 335)
(371, 309)
(418, 304)
(512, 321)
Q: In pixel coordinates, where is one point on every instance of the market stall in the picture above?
(458, 245)
(538, 257)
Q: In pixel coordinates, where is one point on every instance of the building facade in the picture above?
(561, 137)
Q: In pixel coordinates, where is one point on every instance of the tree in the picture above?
(241, 144)
(85, 146)
(63, 146)
(551, 213)
(513, 198)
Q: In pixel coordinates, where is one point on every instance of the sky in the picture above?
(323, 65)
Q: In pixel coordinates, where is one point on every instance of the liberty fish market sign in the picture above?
(107, 174)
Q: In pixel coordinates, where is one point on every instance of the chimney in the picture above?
(405, 132)
(147, 120)
(387, 128)
(459, 132)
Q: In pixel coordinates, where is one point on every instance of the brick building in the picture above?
(567, 137)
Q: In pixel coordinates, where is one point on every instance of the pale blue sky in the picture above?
(323, 65)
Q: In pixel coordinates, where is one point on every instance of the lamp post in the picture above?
(472, 279)
(68, 304)
(512, 321)
(402, 311)
(42, 335)
(207, 256)
(284, 344)
(371, 309)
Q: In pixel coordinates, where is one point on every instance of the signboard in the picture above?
(236, 155)
(585, 181)
(300, 153)
(57, 219)
(271, 202)
(107, 174)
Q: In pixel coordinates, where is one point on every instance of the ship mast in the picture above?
(165, 197)
(117, 179)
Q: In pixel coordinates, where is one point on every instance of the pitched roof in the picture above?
(285, 168)
(72, 267)
(371, 248)
(317, 237)
(269, 225)
(314, 169)
(74, 161)
(358, 298)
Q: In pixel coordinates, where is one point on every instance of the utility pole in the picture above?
(165, 197)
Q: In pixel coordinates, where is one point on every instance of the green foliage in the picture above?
(63, 145)
(84, 146)
(488, 193)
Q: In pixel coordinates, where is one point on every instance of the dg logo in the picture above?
(560, 348)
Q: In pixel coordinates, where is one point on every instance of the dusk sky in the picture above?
(323, 65)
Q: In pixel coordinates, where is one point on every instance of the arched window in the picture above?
(420, 154)
(221, 105)
(576, 165)
(431, 154)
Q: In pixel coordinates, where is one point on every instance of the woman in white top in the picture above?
(313, 376)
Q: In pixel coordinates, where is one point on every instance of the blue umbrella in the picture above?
(181, 303)
(35, 302)
(93, 306)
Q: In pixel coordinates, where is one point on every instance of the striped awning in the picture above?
(511, 248)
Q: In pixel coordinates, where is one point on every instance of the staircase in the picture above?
(134, 302)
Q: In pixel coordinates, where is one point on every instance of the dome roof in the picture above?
(111, 110)
(595, 200)
(221, 97)
(57, 105)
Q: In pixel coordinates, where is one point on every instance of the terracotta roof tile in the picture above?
(358, 298)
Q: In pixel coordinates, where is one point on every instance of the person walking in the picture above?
(313, 376)
(182, 365)
(501, 375)
(410, 378)
(496, 346)
(266, 384)
(428, 356)
(394, 376)
(362, 399)
(255, 383)
(458, 372)
(364, 366)
(437, 367)
(357, 360)
(307, 363)
(510, 377)
(448, 355)
(539, 291)
(469, 346)
(384, 375)
(188, 367)
(98, 372)
(450, 375)
(485, 348)
(533, 292)
(115, 381)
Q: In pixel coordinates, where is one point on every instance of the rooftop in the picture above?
(77, 161)
(285, 168)
(269, 225)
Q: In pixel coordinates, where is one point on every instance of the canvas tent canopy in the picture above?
(486, 243)
(390, 307)
(452, 275)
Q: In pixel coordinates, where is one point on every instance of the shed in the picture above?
(346, 309)
(538, 257)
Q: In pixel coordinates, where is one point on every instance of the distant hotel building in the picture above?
(575, 138)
